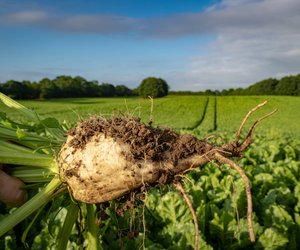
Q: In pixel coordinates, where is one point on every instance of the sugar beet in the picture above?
(103, 159)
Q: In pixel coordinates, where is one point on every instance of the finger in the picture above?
(11, 190)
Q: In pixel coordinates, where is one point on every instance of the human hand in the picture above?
(11, 192)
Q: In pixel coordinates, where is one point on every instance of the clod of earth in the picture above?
(102, 160)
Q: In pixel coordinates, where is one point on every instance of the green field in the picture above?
(199, 114)
(272, 164)
(172, 111)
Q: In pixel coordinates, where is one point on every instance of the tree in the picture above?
(91, 89)
(122, 90)
(154, 87)
(289, 85)
(48, 89)
(297, 83)
(264, 87)
(67, 86)
(20, 90)
(107, 90)
(209, 92)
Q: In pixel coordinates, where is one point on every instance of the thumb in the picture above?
(11, 191)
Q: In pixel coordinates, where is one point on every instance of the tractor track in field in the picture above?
(201, 118)
(206, 113)
(215, 126)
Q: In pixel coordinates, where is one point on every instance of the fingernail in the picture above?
(21, 197)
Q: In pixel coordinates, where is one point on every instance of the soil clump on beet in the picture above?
(146, 142)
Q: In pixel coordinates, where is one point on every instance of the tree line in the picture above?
(67, 86)
(63, 87)
(288, 85)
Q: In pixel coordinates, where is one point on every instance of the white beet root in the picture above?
(105, 168)
(100, 171)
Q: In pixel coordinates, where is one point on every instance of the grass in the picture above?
(180, 112)
(170, 111)
(230, 110)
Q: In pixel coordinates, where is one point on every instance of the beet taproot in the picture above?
(103, 159)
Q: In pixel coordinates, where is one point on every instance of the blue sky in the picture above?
(192, 44)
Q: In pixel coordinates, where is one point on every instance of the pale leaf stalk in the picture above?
(66, 230)
(19, 155)
(92, 234)
(32, 174)
(29, 114)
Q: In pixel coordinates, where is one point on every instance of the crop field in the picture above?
(191, 113)
(163, 220)
(172, 111)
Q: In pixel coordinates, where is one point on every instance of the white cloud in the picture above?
(101, 24)
(27, 17)
(254, 39)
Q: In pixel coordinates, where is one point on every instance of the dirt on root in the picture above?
(146, 142)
